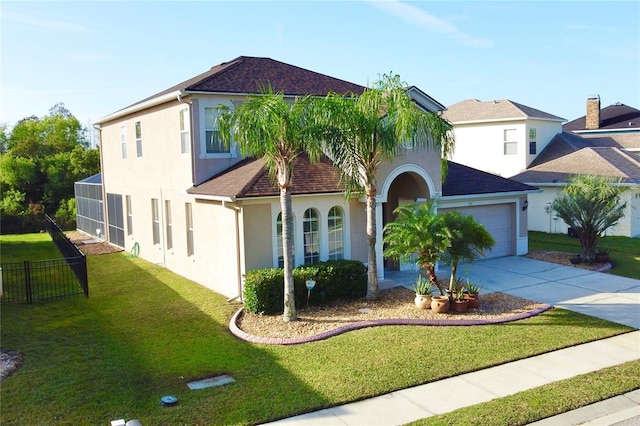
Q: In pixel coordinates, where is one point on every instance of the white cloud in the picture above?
(48, 24)
(420, 18)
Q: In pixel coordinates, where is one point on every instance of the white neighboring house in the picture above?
(604, 142)
(200, 209)
(500, 137)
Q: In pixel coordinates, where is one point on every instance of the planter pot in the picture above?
(602, 258)
(440, 304)
(575, 259)
(422, 301)
(461, 305)
(474, 301)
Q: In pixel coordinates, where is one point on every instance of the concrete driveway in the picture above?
(597, 294)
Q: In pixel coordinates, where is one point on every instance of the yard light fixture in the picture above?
(310, 285)
(525, 206)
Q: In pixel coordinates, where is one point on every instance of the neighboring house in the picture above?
(210, 215)
(500, 137)
(605, 142)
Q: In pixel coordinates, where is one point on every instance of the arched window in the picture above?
(336, 237)
(279, 238)
(311, 228)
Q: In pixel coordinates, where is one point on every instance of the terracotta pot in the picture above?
(602, 258)
(422, 301)
(474, 301)
(461, 305)
(440, 304)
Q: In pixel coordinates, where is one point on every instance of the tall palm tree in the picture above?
(590, 205)
(419, 234)
(367, 130)
(468, 241)
(268, 126)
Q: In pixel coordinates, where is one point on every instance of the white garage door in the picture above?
(499, 221)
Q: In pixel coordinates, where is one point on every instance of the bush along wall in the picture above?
(335, 280)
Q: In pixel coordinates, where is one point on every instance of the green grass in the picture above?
(546, 401)
(624, 251)
(145, 332)
(17, 248)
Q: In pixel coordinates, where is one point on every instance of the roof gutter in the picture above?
(490, 195)
(175, 95)
(208, 197)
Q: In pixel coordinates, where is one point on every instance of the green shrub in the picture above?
(335, 280)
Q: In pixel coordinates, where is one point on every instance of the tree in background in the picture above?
(367, 130)
(590, 205)
(40, 159)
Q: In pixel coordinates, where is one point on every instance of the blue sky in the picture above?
(98, 57)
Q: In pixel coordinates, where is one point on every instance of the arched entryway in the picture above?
(406, 184)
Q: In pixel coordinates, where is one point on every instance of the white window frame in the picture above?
(127, 199)
(188, 209)
(185, 131)
(332, 222)
(207, 105)
(168, 224)
(123, 141)
(138, 127)
(510, 142)
(311, 237)
(533, 138)
(155, 221)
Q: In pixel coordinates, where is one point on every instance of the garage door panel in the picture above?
(499, 221)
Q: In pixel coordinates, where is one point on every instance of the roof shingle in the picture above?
(614, 117)
(475, 110)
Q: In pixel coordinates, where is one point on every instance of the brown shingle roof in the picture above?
(249, 179)
(601, 161)
(247, 74)
(463, 180)
(475, 110)
(614, 117)
(565, 143)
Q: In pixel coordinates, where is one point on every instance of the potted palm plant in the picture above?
(460, 302)
(422, 288)
(473, 295)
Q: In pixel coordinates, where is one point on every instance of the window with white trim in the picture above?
(127, 199)
(168, 224)
(335, 225)
(138, 139)
(213, 141)
(279, 241)
(123, 141)
(189, 222)
(532, 142)
(155, 219)
(185, 131)
(311, 237)
(510, 142)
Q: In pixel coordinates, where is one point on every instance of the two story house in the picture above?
(174, 194)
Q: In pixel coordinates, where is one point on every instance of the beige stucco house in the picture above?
(175, 193)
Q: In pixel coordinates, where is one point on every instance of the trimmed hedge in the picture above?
(340, 279)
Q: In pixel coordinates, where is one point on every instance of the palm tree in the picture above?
(367, 130)
(419, 234)
(590, 205)
(468, 241)
(268, 126)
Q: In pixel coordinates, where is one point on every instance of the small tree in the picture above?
(590, 205)
(468, 241)
(418, 233)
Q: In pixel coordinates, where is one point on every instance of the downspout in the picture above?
(105, 217)
(236, 211)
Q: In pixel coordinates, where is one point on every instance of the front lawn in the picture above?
(145, 332)
(624, 251)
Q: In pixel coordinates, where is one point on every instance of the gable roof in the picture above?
(602, 161)
(473, 110)
(247, 74)
(463, 180)
(566, 142)
(614, 117)
(250, 179)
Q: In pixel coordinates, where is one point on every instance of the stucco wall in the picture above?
(257, 236)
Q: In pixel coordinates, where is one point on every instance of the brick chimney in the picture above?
(592, 121)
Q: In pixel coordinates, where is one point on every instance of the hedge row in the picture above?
(340, 279)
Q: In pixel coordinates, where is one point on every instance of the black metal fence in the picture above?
(41, 280)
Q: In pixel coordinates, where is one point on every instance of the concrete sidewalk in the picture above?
(601, 295)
